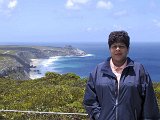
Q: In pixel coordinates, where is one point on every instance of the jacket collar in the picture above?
(107, 69)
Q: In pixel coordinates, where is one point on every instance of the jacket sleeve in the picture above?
(90, 98)
(150, 106)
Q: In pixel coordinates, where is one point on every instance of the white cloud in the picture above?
(69, 4)
(156, 22)
(75, 4)
(12, 4)
(121, 13)
(104, 4)
(7, 6)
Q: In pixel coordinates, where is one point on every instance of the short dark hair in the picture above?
(119, 37)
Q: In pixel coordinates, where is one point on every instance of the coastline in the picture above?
(32, 61)
(33, 74)
(46, 65)
(41, 66)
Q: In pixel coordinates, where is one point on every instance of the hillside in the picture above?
(15, 60)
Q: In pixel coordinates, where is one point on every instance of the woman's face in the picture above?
(119, 52)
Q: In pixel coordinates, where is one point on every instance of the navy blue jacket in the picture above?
(134, 100)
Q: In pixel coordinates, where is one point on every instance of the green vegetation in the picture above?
(8, 51)
(1, 58)
(1, 51)
(157, 91)
(52, 93)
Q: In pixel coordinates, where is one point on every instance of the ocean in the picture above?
(146, 53)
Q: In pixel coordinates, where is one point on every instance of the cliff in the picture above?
(15, 60)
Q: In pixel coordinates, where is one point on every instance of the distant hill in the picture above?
(15, 60)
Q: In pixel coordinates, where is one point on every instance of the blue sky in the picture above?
(78, 20)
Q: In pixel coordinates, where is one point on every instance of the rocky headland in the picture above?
(15, 60)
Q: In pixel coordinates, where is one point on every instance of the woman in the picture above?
(119, 88)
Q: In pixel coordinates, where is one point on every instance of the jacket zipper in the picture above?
(117, 94)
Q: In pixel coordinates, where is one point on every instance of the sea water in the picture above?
(146, 53)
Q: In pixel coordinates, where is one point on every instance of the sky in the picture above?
(78, 20)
